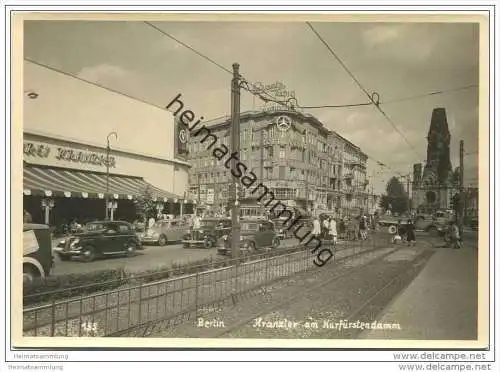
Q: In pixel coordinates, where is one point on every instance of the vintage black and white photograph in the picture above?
(280, 178)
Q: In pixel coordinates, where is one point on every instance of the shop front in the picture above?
(64, 182)
(91, 154)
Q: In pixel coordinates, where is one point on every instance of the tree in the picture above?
(396, 198)
(145, 206)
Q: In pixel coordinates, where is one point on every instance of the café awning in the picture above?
(52, 181)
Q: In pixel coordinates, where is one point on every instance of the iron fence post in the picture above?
(196, 294)
(53, 320)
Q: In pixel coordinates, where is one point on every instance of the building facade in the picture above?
(435, 185)
(68, 170)
(304, 164)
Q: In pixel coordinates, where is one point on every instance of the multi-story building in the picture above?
(304, 164)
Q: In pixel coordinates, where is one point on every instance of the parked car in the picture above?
(209, 233)
(38, 259)
(100, 238)
(254, 236)
(164, 231)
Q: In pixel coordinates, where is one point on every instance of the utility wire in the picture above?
(410, 98)
(92, 83)
(374, 98)
(245, 86)
(430, 94)
(189, 47)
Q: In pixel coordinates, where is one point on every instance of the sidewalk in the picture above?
(440, 303)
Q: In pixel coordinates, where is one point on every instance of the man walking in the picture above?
(332, 230)
(326, 228)
(316, 232)
(455, 235)
(363, 227)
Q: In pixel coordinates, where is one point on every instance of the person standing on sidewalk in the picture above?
(325, 228)
(362, 227)
(455, 236)
(332, 230)
(410, 233)
(316, 232)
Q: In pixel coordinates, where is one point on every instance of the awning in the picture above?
(51, 181)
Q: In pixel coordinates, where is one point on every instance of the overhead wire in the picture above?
(374, 97)
(91, 82)
(253, 91)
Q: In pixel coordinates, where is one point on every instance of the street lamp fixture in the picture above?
(107, 173)
(31, 94)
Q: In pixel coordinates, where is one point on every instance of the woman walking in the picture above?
(410, 233)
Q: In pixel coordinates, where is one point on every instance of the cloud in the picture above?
(383, 34)
(114, 77)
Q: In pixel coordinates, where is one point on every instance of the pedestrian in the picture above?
(410, 233)
(362, 227)
(325, 228)
(455, 235)
(316, 232)
(332, 230)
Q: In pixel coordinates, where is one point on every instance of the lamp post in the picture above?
(107, 171)
(47, 205)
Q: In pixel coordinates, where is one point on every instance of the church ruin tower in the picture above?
(438, 165)
(433, 190)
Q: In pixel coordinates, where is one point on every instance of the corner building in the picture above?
(66, 124)
(305, 165)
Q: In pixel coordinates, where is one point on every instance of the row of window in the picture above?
(316, 177)
(282, 153)
(248, 136)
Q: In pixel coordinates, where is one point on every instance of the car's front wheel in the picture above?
(208, 243)
(162, 240)
(29, 274)
(276, 243)
(130, 249)
(88, 254)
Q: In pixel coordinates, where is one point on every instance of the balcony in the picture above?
(348, 175)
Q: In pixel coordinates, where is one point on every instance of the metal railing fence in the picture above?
(138, 310)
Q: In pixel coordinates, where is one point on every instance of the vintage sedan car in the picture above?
(164, 231)
(254, 236)
(100, 238)
(209, 233)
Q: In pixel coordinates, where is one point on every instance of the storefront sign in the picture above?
(67, 154)
(83, 157)
(36, 150)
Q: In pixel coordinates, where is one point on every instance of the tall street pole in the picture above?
(261, 166)
(107, 170)
(306, 162)
(235, 148)
(462, 196)
(408, 191)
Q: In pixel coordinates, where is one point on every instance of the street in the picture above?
(154, 256)
(151, 257)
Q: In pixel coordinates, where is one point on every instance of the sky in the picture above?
(395, 60)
